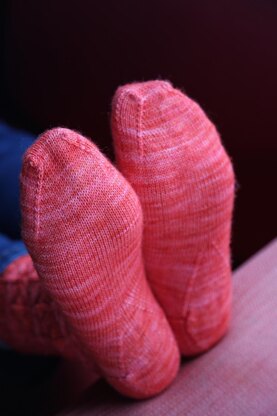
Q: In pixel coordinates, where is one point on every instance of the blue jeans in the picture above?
(13, 144)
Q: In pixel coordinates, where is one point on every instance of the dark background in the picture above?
(63, 60)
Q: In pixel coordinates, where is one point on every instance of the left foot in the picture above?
(173, 157)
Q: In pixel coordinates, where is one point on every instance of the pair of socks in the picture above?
(138, 262)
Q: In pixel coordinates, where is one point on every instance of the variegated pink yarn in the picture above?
(82, 224)
(173, 157)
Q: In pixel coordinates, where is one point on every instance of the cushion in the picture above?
(237, 377)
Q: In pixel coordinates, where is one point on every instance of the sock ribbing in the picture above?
(30, 321)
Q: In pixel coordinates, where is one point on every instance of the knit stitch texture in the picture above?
(30, 321)
(172, 155)
(82, 224)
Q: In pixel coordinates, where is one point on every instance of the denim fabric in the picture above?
(9, 251)
(13, 144)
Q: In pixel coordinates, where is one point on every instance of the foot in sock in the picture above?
(30, 321)
(173, 157)
(82, 224)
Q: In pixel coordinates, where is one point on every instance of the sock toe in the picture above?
(82, 224)
(172, 155)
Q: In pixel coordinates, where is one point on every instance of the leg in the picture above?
(13, 144)
(30, 321)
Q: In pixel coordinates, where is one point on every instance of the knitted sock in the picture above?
(30, 321)
(82, 224)
(172, 156)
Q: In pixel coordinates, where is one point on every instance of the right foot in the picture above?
(82, 224)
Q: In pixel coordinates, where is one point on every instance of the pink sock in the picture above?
(30, 321)
(173, 157)
(82, 224)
